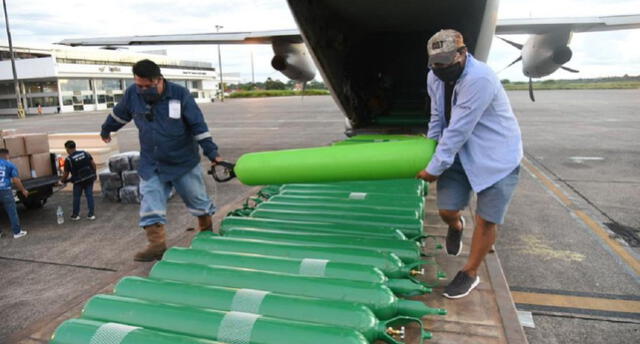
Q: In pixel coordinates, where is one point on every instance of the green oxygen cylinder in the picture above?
(409, 251)
(413, 189)
(379, 298)
(83, 331)
(323, 202)
(411, 218)
(307, 309)
(316, 226)
(226, 327)
(410, 227)
(304, 267)
(402, 185)
(371, 138)
(322, 207)
(369, 196)
(367, 161)
(388, 263)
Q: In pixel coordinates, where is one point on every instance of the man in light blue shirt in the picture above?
(479, 149)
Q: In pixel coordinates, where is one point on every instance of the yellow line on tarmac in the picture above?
(631, 261)
(547, 182)
(581, 302)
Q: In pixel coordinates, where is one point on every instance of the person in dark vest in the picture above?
(82, 168)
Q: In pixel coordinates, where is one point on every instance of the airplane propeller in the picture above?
(564, 57)
(533, 99)
(519, 47)
(570, 69)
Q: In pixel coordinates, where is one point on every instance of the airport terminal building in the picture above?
(84, 79)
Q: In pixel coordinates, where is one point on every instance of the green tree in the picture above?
(316, 85)
(271, 84)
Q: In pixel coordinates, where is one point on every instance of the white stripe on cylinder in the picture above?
(236, 328)
(248, 300)
(313, 267)
(111, 333)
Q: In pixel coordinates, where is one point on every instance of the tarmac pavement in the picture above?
(582, 158)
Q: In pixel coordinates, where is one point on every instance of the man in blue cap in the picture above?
(479, 149)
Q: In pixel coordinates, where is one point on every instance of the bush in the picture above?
(276, 93)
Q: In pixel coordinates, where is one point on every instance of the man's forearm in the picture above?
(18, 183)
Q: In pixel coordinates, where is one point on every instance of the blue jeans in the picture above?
(78, 188)
(190, 187)
(9, 205)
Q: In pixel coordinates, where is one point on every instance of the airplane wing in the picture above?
(504, 26)
(260, 37)
(579, 24)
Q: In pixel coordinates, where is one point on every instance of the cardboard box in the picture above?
(36, 143)
(15, 145)
(22, 163)
(40, 165)
(7, 132)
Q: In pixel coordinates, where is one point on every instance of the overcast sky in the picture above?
(38, 22)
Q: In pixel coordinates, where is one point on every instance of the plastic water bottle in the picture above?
(60, 215)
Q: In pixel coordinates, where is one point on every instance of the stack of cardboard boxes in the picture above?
(29, 152)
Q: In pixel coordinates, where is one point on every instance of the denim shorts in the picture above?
(454, 193)
(190, 187)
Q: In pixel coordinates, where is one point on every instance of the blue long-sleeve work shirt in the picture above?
(169, 131)
(483, 130)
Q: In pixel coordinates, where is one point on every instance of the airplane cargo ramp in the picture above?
(346, 262)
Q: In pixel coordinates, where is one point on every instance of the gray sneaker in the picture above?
(20, 234)
(454, 240)
(461, 285)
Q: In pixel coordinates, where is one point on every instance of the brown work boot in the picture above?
(205, 224)
(157, 245)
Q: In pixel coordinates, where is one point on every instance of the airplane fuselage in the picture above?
(372, 53)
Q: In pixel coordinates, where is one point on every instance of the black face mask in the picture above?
(150, 95)
(449, 74)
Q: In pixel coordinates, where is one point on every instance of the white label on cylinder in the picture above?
(313, 267)
(111, 333)
(248, 300)
(236, 328)
(357, 195)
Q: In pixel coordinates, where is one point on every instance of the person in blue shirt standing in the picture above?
(171, 130)
(9, 176)
(82, 168)
(479, 149)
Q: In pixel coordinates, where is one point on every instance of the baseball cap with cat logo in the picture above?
(443, 46)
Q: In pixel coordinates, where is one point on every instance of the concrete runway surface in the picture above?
(569, 247)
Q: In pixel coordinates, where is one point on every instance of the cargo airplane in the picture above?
(372, 54)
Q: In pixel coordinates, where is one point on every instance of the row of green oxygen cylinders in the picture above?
(300, 263)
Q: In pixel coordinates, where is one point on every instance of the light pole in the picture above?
(13, 64)
(253, 78)
(218, 27)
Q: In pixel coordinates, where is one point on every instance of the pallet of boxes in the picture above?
(29, 152)
(35, 163)
(120, 181)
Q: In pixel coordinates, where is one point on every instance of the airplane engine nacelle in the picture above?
(543, 54)
(293, 60)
